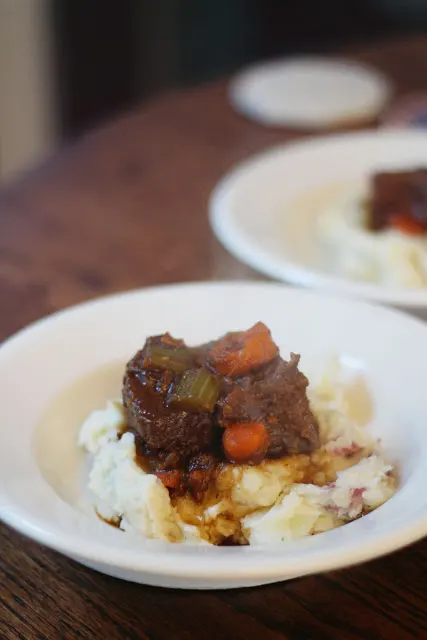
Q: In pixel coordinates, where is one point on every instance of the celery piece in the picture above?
(197, 390)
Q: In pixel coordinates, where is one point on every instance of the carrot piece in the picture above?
(238, 353)
(245, 442)
(404, 223)
(171, 478)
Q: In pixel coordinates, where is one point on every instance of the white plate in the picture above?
(59, 369)
(310, 92)
(265, 210)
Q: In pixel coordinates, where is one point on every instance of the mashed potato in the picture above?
(308, 509)
(274, 502)
(390, 257)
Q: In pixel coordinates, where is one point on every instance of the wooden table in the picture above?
(126, 207)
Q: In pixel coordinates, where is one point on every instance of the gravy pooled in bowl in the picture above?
(221, 444)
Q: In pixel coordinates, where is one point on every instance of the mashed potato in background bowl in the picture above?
(388, 257)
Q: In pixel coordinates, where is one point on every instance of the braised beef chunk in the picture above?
(276, 396)
(160, 426)
(398, 199)
(234, 398)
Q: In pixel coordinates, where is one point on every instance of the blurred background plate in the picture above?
(310, 93)
(265, 211)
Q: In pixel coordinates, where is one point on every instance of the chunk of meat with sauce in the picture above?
(235, 397)
(196, 479)
(148, 414)
(398, 200)
(275, 396)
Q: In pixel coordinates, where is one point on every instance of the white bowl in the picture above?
(265, 211)
(57, 370)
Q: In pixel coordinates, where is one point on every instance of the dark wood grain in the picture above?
(126, 207)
